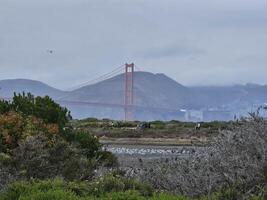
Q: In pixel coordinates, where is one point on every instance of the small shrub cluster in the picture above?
(116, 183)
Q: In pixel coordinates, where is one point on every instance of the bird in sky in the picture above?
(49, 51)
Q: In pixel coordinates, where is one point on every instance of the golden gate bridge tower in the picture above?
(129, 92)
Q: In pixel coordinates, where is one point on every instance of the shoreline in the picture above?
(154, 141)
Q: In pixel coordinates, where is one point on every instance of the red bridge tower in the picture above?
(129, 92)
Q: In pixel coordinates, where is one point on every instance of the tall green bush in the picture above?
(41, 107)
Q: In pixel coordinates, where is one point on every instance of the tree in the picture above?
(41, 107)
(4, 106)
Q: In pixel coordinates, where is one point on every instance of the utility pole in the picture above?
(129, 92)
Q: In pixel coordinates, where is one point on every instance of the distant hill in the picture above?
(229, 95)
(151, 90)
(9, 86)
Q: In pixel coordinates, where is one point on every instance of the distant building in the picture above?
(217, 115)
(194, 115)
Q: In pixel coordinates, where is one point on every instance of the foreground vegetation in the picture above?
(108, 188)
(45, 156)
(35, 143)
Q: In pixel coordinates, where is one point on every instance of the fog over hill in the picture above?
(151, 91)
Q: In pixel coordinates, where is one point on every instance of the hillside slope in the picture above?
(9, 86)
(150, 91)
(153, 90)
(236, 95)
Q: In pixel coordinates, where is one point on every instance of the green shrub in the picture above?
(164, 196)
(56, 189)
(237, 192)
(40, 190)
(225, 194)
(260, 193)
(144, 189)
(90, 119)
(88, 143)
(50, 195)
(127, 195)
(41, 107)
(158, 124)
(116, 183)
(5, 159)
(107, 188)
(4, 106)
(107, 159)
(40, 158)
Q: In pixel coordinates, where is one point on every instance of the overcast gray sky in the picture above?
(206, 42)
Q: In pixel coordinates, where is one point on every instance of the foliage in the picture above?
(14, 128)
(158, 124)
(50, 189)
(41, 107)
(236, 192)
(4, 106)
(116, 183)
(88, 143)
(60, 190)
(107, 159)
(35, 143)
(38, 157)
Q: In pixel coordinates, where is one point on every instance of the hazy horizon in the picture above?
(202, 42)
(74, 87)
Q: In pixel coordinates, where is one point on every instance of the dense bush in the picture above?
(158, 124)
(116, 183)
(15, 127)
(107, 159)
(42, 158)
(41, 107)
(88, 144)
(35, 143)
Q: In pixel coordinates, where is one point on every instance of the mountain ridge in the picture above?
(19, 85)
(151, 90)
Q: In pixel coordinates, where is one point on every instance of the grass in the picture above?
(159, 129)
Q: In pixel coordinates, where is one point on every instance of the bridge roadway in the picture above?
(109, 105)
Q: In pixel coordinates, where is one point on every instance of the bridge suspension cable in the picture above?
(138, 68)
(103, 77)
